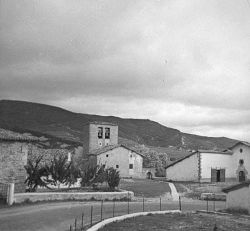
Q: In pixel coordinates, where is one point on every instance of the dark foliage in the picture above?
(113, 178)
(35, 173)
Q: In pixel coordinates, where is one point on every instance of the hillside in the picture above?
(63, 125)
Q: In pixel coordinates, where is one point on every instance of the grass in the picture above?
(187, 222)
(145, 187)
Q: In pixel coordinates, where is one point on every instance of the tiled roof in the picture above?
(102, 123)
(111, 147)
(7, 135)
(226, 152)
(236, 186)
(241, 142)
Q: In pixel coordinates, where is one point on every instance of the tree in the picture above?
(35, 173)
(59, 171)
(113, 178)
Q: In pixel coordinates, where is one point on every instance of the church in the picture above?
(232, 164)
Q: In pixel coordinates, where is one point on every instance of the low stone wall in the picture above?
(81, 196)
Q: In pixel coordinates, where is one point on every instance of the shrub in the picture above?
(113, 178)
(35, 173)
(59, 171)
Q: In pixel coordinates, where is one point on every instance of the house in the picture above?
(13, 157)
(212, 166)
(238, 196)
(103, 149)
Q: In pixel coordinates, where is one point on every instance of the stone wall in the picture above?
(13, 158)
(81, 196)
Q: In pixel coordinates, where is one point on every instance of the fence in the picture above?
(96, 212)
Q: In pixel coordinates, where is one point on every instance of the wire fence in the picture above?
(99, 211)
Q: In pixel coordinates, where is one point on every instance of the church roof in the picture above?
(7, 135)
(111, 147)
(240, 142)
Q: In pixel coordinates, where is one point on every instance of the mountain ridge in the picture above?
(67, 125)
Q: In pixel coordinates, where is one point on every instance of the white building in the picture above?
(126, 160)
(238, 196)
(103, 149)
(212, 166)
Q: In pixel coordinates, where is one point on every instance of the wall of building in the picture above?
(239, 198)
(218, 161)
(95, 142)
(13, 158)
(121, 156)
(237, 155)
(185, 170)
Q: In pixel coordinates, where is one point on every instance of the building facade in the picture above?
(13, 157)
(103, 149)
(213, 166)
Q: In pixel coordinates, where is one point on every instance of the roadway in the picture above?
(57, 216)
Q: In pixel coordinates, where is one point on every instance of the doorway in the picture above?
(218, 175)
(242, 176)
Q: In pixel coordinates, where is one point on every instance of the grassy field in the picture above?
(187, 222)
(145, 187)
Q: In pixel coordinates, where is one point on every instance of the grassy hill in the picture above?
(63, 125)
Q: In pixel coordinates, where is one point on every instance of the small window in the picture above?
(107, 155)
(241, 161)
(131, 166)
(100, 132)
(241, 150)
(131, 156)
(117, 166)
(107, 133)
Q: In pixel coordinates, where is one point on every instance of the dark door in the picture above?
(217, 175)
(242, 176)
(222, 175)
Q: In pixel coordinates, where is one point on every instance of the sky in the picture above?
(184, 64)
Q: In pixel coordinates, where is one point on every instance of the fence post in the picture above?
(10, 193)
(70, 228)
(101, 208)
(82, 222)
(75, 224)
(91, 215)
(160, 203)
(180, 203)
(128, 202)
(214, 202)
(113, 208)
(143, 204)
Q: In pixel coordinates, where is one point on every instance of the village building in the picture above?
(103, 149)
(238, 196)
(212, 166)
(13, 157)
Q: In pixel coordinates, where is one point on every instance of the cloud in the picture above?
(182, 63)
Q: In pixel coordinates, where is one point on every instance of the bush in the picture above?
(35, 173)
(113, 178)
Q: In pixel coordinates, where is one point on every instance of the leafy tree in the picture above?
(74, 173)
(113, 178)
(36, 173)
(59, 171)
(92, 175)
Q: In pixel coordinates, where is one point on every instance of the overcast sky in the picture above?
(185, 64)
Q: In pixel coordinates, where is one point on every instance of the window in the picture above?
(107, 155)
(241, 150)
(131, 166)
(100, 132)
(241, 161)
(107, 133)
(117, 166)
(131, 156)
